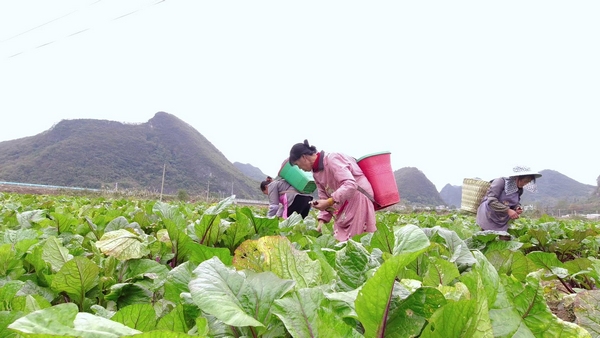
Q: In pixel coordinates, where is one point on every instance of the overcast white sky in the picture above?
(454, 88)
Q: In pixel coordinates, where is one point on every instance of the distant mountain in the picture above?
(98, 153)
(106, 154)
(452, 195)
(554, 187)
(250, 171)
(416, 189)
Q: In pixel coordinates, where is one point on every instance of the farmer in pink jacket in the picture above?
(342, 190)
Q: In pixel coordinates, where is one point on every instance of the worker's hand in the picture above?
(319, 226)
(513, 214)
(321, 204)
(519, 210)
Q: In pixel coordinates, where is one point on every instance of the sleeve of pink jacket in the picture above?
(343, 171)
(338, 181)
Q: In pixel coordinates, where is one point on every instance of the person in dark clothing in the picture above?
(284, 199)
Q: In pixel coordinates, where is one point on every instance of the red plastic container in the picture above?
(377, 168)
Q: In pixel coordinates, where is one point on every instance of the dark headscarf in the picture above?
(300, 149)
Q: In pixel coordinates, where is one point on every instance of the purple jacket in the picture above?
(281, 195)
(492, 213)
(338, 176)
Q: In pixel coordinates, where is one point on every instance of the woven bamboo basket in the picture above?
(473, 190)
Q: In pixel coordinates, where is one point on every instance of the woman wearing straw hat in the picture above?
(502, 200)
(343, 190)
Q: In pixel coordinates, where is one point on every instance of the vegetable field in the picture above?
(99, 267)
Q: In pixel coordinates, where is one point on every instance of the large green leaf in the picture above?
(238, 231)
(140, 316)
(63, 221)
(8, 291)
(175, 224)
(263, 226)
(458, 319)
(330, 325)
(466, 314)
(177, 281)
(248, 255)
(582, 266)
(376, 297)
(198, 253)
(6, 318)
(41, 267)
(170, 212)
(352, 264)
(180, 241)
(116, 224)
(175, 320)
(504, 318)
(25, 218)
(65, 320)
(238, 298)
(164, 334)
(510, 262)
(383, 239)
(305, 314)
(409, 238)
(123, 245)
(587, 311)
(22, 239)
(10, 262)
(146, 272)
(208, 228)
(518, 309)
(76, 278)
(55, 253)
(549, 262)
(125, 294)
(408, 316)
(440, 272)
(278, 255)
(461, 255)
(298, 311)
(29, 303)
(343, 302)
(293, 223)
(31, 288)
(528, 300)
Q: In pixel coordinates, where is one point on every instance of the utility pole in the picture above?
(208, 186)
(162, 185)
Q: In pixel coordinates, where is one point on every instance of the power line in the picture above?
(77, 32)
(46, 23)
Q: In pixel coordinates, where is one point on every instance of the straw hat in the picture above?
(524, 171)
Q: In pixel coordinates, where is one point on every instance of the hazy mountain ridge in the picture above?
(250, 171)
(99, 153)
(415, 188)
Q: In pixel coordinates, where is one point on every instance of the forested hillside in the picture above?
(106, 154)
(100, 154)
(415, 188)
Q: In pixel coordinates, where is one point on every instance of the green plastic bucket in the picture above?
(301, 180)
